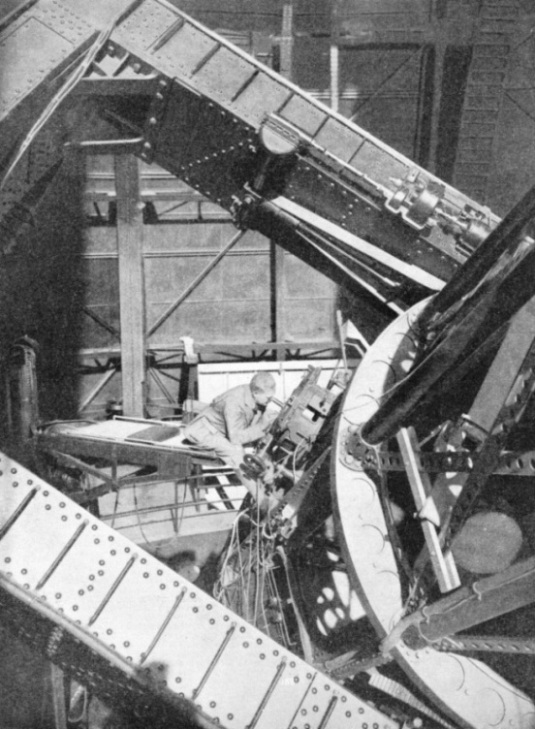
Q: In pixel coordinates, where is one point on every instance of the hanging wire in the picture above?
(247, 572)
(232, 550)
(182, 506)
(257, 539)
(138, 517)
(115, 510)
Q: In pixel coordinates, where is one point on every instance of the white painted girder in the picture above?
(137, 613)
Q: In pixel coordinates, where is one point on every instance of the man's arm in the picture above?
(240, 428)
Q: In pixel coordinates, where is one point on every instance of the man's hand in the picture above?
(267, 418)
(268, 502)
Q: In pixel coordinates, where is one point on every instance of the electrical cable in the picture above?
(115, 510)
(138, 517)
(182, 507)
(257, 539)
(221, 589)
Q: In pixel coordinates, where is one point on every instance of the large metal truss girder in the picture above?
(204, 123)
(136, 613)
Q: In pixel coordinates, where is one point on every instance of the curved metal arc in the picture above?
(461, 687)
(472, 328)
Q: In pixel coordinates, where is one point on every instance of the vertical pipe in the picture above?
(334, 58)
(286, 40)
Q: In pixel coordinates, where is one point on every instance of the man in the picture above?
(234, 419)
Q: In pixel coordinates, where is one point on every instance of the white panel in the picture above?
(215, 379)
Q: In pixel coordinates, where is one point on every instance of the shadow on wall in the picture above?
(41, 292)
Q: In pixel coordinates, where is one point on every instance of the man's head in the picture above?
(262, 388)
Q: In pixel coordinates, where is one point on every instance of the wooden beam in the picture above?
(131, 284)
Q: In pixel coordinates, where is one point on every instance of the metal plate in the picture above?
(378, 164)
(185, 50)
(48, 34)
(262, 97)
(146, 24)
(224, 76)
(303, 114)
(339, 140)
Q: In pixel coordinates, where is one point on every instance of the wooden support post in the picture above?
(278, 312)
(131, 284)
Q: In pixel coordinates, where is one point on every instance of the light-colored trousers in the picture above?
(203, 433)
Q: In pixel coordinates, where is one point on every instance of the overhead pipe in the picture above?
(490, 292)
(485, 257)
